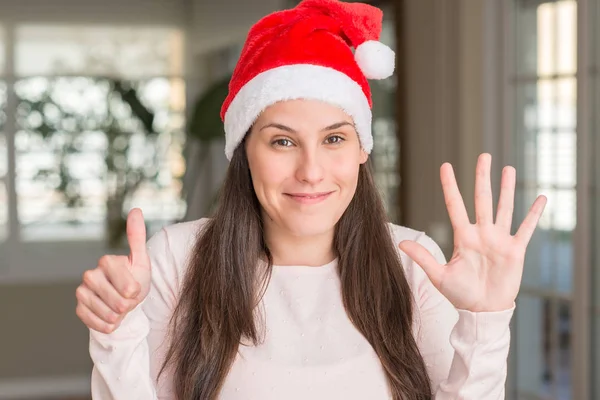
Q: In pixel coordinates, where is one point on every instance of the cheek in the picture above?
(345, 172)
(268, 174)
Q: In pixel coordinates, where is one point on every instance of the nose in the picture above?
(309, 167)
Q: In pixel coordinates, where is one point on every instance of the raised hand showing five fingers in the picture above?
(484, 273)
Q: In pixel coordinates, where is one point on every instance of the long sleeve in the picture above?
(465, 352)
(127, 361)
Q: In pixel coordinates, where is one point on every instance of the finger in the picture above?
(506, 201)
(530, 222)
(92, 321)
(96, 305)
(136, 236)
(454, 201)
(99, 284)
(483, 190)
(115, 269)
(425, 259)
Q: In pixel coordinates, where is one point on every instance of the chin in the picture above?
(305, 225)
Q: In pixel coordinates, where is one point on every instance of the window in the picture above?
(2, 51)
(3, 166)
(3, 147)
(544, 152)
(99, 129)
(386, 150)
(98, 51)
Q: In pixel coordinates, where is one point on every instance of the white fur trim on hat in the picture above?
(300, 81)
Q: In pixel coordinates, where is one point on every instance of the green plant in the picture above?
(47, 112)
(205, 125)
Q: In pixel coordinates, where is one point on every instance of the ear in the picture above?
(363, 156)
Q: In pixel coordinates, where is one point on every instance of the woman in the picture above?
(297, 287)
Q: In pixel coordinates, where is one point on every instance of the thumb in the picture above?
(425, 259)
(136, 236)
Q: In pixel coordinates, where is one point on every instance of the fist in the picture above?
(118, 284)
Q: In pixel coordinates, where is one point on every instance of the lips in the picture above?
(309, 198)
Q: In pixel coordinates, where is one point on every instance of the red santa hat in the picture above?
(306, 53)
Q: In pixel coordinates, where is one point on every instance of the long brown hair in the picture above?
(223, 284)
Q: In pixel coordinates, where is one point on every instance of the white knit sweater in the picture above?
(311, 349)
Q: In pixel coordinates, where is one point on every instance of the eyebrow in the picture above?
(282, 127)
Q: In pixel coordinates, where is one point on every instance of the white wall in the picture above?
(219, 23)
(212, 24)
(169, 12)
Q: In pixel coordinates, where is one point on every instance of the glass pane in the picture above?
(562, 211)
(549, 258)
(553, 257)
(556, 164)
(566, 30)
(545, 158)
(553, 103)
(524, 142)
(3, 149)
(545, 101)
(88, 149)
(526, 38)
(532, 318)
(385, 161)
(543, 348)
(386, 148)
(536, 273)
(562, 380)
(2, 50)
(546, 39)
(3, 160)
(3, 212)
(99, 51)
(565, 103)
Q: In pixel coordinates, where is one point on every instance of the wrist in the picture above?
(491, 307)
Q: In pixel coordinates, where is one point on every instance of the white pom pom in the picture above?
(375, 59)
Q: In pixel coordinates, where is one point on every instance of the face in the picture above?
(304, 159)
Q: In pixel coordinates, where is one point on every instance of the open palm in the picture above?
(484, 273)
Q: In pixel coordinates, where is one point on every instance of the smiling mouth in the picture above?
(308, 198)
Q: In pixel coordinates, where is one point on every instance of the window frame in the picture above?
(581, 309)
(44, 261)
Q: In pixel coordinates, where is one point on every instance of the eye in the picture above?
(283, 142)
(334, 139)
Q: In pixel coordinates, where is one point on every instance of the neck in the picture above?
(289, 249)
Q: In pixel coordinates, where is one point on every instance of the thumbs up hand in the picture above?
(118, 284)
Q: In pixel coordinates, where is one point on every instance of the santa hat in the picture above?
(306, 53)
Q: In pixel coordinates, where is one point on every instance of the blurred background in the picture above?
(109, 105)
